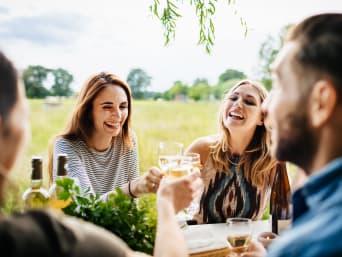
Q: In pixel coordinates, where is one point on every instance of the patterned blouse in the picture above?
(230, 195)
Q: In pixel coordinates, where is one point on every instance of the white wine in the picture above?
(54, 202)
(164, 163)
(239, 241)
(177, 172)
(36, 196)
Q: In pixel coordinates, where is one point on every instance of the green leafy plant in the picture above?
(132, 222)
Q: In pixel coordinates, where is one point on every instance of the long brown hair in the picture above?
(256, 162)
(81, 125)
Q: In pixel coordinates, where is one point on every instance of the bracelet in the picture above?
(129, 190)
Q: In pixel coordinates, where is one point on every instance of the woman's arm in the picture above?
(147, 182)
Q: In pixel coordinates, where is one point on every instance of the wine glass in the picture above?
(239, 233)
(168, 152)
(195, 161)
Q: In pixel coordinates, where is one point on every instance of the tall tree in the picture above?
(177, 89)
(200, 91)
(231, 74)
(200, 80)
(221, 88)
(62, 80)
(139, 81)
(34, 77)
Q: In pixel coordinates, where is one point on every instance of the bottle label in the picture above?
(283, 225)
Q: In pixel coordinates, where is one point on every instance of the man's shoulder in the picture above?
(314, 234)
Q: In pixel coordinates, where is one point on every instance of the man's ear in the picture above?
(322, 103)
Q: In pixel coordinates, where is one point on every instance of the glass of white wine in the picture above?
(168, 152)
(195, 161)
(239, 234)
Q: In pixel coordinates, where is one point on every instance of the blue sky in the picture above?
(86, 37)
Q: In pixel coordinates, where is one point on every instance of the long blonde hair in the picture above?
(81, 125)
(256, 162)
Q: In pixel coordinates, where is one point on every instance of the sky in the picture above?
(87, 37)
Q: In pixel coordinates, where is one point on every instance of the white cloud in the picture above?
(86, 37)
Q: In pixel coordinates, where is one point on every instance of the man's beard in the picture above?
(299, 145)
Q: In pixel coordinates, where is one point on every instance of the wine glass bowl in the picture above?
(239, 233)
(195, 159)
(168, 152)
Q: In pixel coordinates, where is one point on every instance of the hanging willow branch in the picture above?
(167, 12)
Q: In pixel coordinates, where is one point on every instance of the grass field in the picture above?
(152, 122)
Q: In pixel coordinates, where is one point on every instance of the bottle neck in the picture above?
(36, 183)
(60, 177)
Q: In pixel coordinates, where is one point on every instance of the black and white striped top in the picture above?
(101, 171)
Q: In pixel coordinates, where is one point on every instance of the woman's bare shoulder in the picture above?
(205, 141)
(202, 145)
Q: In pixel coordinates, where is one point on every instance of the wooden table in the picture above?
(209, 240)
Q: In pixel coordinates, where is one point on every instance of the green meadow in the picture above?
(152, 122)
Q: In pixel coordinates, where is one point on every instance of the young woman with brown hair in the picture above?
(100, 144)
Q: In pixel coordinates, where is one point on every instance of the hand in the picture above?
(180, 192)
(149, 181)
(255, 249)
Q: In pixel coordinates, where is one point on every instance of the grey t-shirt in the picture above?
(102, 172)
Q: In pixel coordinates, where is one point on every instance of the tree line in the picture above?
(37, 79)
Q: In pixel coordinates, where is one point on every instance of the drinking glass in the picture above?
(239, 233)
(195, 161)
(168, 152)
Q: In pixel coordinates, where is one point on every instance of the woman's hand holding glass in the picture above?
(149, 181)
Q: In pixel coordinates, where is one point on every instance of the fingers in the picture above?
(181, 191)
(152, 179)
(196, 182)
(255, 249)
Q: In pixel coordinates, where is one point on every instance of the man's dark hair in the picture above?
(320, 39)
(8, 86)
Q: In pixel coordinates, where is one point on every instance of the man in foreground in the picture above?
(304, 111)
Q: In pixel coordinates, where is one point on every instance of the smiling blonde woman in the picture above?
(237, 166)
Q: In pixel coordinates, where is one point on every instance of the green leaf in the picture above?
(120, 214)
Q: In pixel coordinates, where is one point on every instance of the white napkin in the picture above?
(201, 238)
